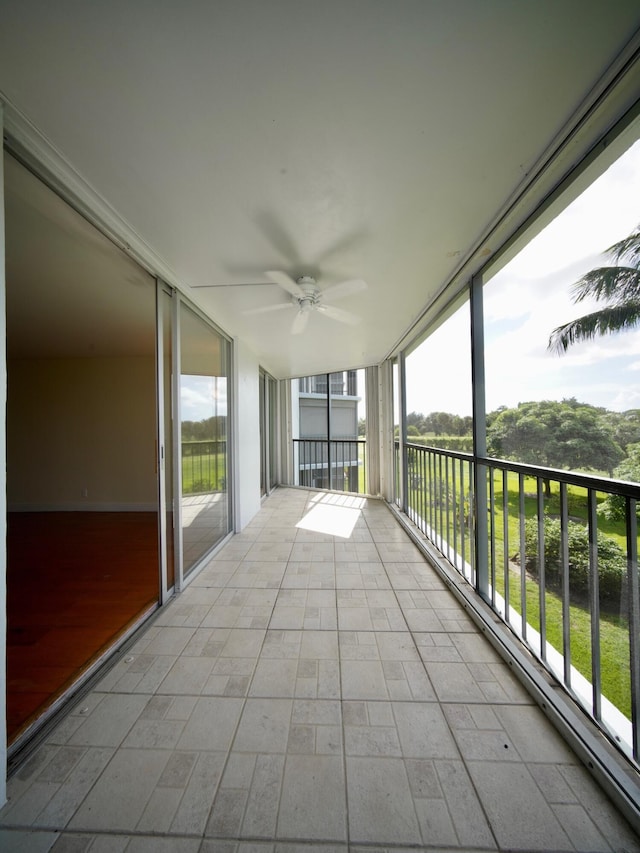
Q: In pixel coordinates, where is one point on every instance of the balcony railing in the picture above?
(204, 468)
(338, 464)
(563, 575)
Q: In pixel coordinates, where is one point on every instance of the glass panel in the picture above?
(82, 482)
(272, 397)
(439, 406)
(204, 366)
(328, 415)
(264, 436)
(347, 409)
(268, 433)
(571, 407)
(438, 380)
(397, 465)
(535, 293)
(310, 431)
(167, 373)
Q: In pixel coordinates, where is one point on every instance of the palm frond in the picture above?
(627, 250)
(614, 318)
(615, 284)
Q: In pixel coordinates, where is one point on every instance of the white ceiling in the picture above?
(374, 139)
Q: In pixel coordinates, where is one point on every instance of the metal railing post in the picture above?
(634, 619)
(479, 438)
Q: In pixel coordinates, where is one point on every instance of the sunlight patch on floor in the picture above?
(335, 515)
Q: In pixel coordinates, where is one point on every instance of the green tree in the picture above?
(416, 419)
(566, 435)
(612, 561)
(439, 423)
(613, 507)
(625, 426)
(617, 286)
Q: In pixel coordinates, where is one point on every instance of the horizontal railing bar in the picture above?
(332, 440)
(571, 478)
(456, 454)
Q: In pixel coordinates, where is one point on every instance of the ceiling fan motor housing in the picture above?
(311, 293)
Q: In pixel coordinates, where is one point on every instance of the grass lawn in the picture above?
(614, 638)
(204, 473)
(614, 630)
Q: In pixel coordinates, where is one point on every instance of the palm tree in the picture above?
(618, 286)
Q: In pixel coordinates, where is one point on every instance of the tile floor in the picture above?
(315, 688)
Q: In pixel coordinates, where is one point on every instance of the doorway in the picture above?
(82, 479)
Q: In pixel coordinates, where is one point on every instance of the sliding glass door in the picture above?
(204, 383)
(268, 433)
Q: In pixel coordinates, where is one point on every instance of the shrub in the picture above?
(612, 562)
(198, 487)
(614, 507)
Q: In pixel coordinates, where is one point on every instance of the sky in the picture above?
(202, 397)
(526, 300)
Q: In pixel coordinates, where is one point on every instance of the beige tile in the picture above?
(507, 789)
(26, 841)
(264, 726)
(381, 809)
(313, 803)
(119, 797)
(110, 721)
(211, 725)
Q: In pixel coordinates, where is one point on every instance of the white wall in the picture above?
(81, 434)
(246, 434)
(3, 510)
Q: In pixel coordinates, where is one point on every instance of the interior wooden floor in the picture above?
(76, 581)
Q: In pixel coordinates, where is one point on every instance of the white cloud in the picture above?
(202, 397)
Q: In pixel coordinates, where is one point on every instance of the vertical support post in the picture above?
(463, 522)
(176, 336)
(479, 437)
(163, 531)
(523, 558)
(542, 579)
(492, 535)
(386, 438)
(402, 406)
(566, 591)
(329, 477)
(505, 537)
(594, 595)
(3, 492)
(634, 620)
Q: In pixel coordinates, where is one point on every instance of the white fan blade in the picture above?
(285, 281)
(235, 284)
(338, 314)
(300, 323)
(344, 289)
(268, 308)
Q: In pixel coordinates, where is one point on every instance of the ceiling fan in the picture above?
(307, 297)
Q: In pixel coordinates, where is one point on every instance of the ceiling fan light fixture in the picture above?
(307, 297)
